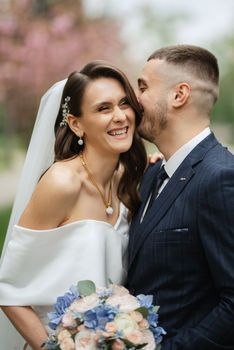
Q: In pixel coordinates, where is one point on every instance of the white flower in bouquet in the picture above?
(124, 323)
(85, 340)
(119, 290)
(125, 302)
(86, 303)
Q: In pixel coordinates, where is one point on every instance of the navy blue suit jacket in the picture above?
(183, 251)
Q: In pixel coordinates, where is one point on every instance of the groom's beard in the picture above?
(153, 122)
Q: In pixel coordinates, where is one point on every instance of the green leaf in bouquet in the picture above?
(131, 345)
(140, 346)
(158, 347)
(109, 281)
(128, 343)
(143, 310)
(156, 308)
(86, 287)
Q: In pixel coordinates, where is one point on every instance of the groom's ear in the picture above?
(75, 125)
(181, 94)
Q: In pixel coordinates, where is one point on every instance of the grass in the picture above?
(4, 218)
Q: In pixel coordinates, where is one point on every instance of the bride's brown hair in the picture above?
(66, 146)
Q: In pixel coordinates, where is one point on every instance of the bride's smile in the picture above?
(107, 122)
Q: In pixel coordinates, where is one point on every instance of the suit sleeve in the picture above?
(216, 230)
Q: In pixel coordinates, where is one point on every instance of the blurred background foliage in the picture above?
(42, 41)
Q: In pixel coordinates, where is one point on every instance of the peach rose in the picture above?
(68, 321)
(134, 337)
(64, 334)
(144, 324)
(118, 345)
(110, 327)
(87, 303)
(149, 339)
(136, 316)
(67, 344)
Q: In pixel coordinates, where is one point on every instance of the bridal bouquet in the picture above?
(88, 318)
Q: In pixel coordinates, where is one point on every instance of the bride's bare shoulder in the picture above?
(62, 177)
(54, 197)
(62, 181)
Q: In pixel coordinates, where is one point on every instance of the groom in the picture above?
(181, 246)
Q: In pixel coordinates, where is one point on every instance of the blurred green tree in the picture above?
(224, 109)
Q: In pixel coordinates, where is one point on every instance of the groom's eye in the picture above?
(142, 88)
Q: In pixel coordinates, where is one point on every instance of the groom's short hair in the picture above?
(200, 60)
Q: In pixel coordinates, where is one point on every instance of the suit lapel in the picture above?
(140, 231)
(161, 205)
(145, 190)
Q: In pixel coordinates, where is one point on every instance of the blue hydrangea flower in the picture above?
(99, 316)
(51, 344)
(60, 307)
(145, 300)
(152, 318)
(158, 332)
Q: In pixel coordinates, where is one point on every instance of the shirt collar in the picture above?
(177, 158)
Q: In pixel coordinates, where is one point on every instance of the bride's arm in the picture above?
(50, 204)
(27, 324)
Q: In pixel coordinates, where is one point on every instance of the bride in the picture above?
(77, 193)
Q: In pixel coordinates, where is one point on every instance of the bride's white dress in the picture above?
(40, 265)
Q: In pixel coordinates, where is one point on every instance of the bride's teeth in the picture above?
(119, 132)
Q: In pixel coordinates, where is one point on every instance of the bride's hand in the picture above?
(155, 157)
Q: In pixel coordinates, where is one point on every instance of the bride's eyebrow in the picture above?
(109, 102)
(101, 103)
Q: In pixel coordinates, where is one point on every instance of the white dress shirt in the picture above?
(177, 158)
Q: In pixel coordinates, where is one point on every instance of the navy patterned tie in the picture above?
(157, 183)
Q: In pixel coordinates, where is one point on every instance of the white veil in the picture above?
(40, 156)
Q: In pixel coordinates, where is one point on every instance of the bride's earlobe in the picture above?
(74, 124)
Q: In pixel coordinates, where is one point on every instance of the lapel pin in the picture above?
(182, 178)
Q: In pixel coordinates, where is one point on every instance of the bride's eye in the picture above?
(103, 108)
(124, 103)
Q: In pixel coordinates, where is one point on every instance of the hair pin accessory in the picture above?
(66, 111)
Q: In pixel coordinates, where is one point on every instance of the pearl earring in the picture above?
(80, 141)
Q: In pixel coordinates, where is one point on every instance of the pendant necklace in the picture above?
(109, 209)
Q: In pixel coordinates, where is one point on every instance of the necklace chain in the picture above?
(109, 209)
